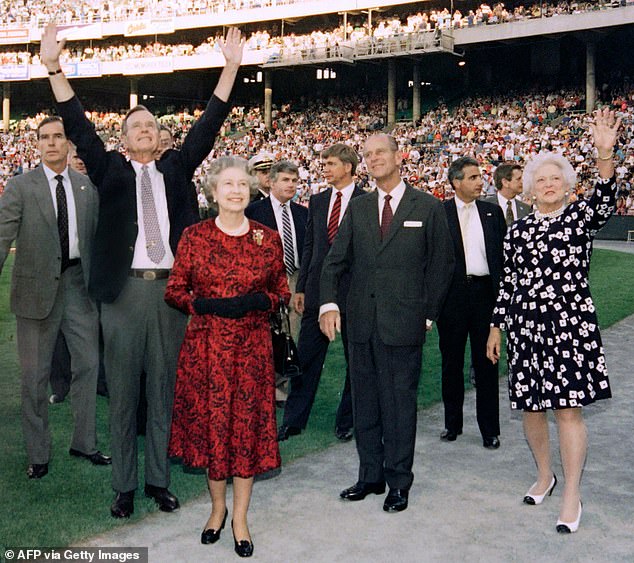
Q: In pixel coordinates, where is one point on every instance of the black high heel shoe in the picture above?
(244, 548)
(212, 536)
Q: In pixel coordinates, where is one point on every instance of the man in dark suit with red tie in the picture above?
(477, 229)
(325, 212)
(288, 218)
(396, 245)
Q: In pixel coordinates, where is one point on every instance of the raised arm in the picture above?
(50, 50)
(232, 47)
(604, 127)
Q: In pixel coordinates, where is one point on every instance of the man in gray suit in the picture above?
(508, 183)
(395, 243)
(51, 213)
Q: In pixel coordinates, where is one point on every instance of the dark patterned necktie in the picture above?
(287, 236)
(333, 222)
(62, 219)
(510, 217)
(386, 217)
(153, 239)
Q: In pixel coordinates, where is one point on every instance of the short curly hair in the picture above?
(220, 165)
(534, 164)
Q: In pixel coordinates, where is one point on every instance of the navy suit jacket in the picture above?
(262, 212)
(494, 228)
(115, 179)
(315, 249)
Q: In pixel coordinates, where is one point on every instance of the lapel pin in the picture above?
(82, 187)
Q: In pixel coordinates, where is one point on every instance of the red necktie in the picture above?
(386, 217)
(333, 222)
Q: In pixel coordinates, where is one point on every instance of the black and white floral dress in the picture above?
(555, 355)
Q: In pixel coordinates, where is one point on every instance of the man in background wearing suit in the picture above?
(396, 245)
(477, 230)
(325, 212)
(508, 183)
(288, 218)
(145, 204)
(51, 213)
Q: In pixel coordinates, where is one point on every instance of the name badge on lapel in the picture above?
(412, 224)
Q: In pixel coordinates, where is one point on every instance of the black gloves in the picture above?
(232, 307)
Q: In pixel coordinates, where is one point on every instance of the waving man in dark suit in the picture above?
(396, 244)
(145, 204)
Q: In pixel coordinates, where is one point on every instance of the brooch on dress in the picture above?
(258, 236)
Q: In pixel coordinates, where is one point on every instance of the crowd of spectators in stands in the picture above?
(352, 34)
(38, 12)
(493, 129)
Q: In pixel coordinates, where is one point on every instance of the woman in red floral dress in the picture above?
(228, 275)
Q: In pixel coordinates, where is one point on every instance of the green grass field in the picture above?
(72, 501)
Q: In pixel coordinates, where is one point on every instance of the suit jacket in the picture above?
(494, 228)
(400, 281)
(262, 212)
(522, 209)
(115, 179)
(27, 215)
(316, 247)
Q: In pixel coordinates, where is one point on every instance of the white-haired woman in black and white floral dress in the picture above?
(555, 355)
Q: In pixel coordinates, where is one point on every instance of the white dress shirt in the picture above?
(277, 211)
(141, 260)
(472, 238)
(73, 236)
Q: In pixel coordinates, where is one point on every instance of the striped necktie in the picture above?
(333, 222)
(153, 239)
(287, 236)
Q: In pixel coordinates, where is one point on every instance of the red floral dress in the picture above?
(224, 404)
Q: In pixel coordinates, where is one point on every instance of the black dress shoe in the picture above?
(165, 500)
(96, 459)
(360, 490)
(123, 505)
(212, 536)
(450, 435)
(36, 470)
(285, 432)
(491, 442)
(343, 434)
(244, 548)
(396, 500)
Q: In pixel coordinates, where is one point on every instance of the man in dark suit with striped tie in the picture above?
(325, 212)
(289, 219)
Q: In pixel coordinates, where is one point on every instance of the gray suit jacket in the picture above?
(27, 215)
(522, 209)
(400, 281)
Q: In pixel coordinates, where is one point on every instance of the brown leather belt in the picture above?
(150, 275)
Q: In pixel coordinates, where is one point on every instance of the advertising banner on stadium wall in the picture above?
(14, 72)
(82, 70)
(149, 65)
(73, 31)
(13, 35)
(155, 26)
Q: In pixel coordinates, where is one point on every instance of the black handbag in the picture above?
(285, 356)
